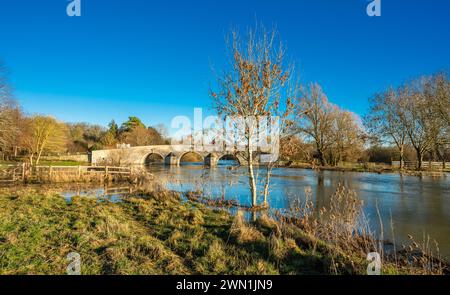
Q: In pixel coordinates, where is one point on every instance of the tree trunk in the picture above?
(38, 157)
(402, 151)
(441, 156)
(321, 157)
(266, 185)
(338, 159)
(419, 159)
(251, 176)
(430, 160)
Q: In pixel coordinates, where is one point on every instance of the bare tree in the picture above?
(437, 93)
(84, 137)
(44, 134)
(8, 130)
(315, 117)
(162, 130)
(347, 137)
(293, 148)
(417, 117)
(416, 113)
(108, 140)
(441, 96)
(141, 136)
(256, 85)
(116, 157)
(384, 120)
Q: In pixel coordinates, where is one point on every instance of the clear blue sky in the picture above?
(153, 58)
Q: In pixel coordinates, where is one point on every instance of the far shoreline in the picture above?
(384, 170)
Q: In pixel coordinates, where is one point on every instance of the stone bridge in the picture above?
(169, 155)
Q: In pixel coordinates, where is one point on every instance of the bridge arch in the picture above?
(213, 159)
(154, 158)
(182, 155)
(229, 157)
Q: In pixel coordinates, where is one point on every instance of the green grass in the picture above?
(154, 233)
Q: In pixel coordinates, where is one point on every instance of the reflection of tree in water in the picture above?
(297, 198)
(320, 191)
(216, 182)
(401, 184)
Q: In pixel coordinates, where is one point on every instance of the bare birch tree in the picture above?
(256, 85)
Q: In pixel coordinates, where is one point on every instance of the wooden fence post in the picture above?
(50, 172)
(23, 171)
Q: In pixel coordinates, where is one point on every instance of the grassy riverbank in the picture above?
(356, 167)
(158, 233)
(68, 163)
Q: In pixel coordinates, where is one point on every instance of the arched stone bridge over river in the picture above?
(169, 154)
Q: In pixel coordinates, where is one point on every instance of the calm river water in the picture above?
(416, 206)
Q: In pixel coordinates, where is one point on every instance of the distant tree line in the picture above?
(414, 115)
(86, 137)
(410, 122)
(33, 136)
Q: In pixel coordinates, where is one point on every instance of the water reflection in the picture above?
(108, 192)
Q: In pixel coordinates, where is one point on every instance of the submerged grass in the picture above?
(156, 232)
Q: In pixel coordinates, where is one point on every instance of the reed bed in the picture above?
(343, 226)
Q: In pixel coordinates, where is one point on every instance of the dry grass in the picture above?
(423, 257)
(154, 231)
(344, 229)
(243, 232)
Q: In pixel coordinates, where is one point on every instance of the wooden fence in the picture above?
(23, 172)
(11, 173)
(425, 165)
